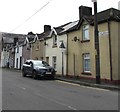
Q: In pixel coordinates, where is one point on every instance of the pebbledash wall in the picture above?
(78, 48)
(119, 5)
(55, 51)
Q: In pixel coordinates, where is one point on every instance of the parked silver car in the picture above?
(38, 68)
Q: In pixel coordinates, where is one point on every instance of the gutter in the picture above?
(67, 56)
(110, 51)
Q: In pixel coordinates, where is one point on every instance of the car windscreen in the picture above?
(41, 63)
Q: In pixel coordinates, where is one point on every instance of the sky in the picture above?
(18, 16)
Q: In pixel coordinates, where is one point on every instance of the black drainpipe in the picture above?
(109, 33)
(67, 57)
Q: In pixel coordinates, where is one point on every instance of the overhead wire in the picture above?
(30, 16)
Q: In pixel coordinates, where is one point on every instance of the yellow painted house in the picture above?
(81, 46)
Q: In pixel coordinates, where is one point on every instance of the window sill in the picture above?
(36, 49)
(54, 46)
(85, 41)
(86, 73)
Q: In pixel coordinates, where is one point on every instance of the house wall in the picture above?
(115, 33)
(104, 51)
(38, 50)
(0, 48)
(56, 51)
(4, 58)
(76, 50)
(26, 53)
(11, 58)
(118, 51)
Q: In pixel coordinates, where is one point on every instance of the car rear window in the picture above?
(45, 63)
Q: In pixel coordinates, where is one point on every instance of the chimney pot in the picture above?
(47, 28)
(84, 11)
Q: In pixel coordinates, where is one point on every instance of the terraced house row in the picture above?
(77, 57)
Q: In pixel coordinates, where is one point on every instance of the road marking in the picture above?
(68, 83)
(23, 88)
(58, 102)
(100, 89)
(72, 108)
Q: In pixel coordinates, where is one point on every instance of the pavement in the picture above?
(89, 83)
(84, 82)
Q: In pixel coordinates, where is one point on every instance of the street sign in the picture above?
(103, 33)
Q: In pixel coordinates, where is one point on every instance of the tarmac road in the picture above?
(19, 93)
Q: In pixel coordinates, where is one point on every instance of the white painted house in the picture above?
(56, 56)
(4, 58)
(119, 5)
(54, 53)
(18, 56)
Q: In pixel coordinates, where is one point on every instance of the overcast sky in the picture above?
(14, 13)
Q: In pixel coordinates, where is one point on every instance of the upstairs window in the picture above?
(86, 32)
(37, 47)
(54, 40)
(17, 49)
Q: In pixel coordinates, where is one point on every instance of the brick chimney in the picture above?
(47, 28)
(84, 11)
(15, 40)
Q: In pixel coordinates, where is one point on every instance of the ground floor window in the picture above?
(47, 60)
(54, 60)
(86, 62)
(41, 58)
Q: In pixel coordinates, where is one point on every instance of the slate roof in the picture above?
(21, 40)
(111, 14)
(103, 16)
(59, 30)
(31, 37)
(7, 40)
(44, 35)
(64, 28)
(68, 26)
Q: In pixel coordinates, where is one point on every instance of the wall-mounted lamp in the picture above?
(62, 46)
(75, 39)
(45, 44)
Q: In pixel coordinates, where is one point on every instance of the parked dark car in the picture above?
(38, 68)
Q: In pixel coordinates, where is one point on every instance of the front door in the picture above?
(20, 62)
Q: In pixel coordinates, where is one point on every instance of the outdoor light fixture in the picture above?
(62, 46)
(45, 43)
(75, 39)
(97, 57)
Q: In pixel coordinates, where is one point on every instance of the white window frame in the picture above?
(86, 62)
(17, 49)
(86, 32)
(54, 40)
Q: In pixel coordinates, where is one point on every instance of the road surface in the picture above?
(25, 93)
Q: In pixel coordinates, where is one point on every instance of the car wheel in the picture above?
(34, 75)
(24, 74)
(52, 77)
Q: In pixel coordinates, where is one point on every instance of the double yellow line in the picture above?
(100, 89)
